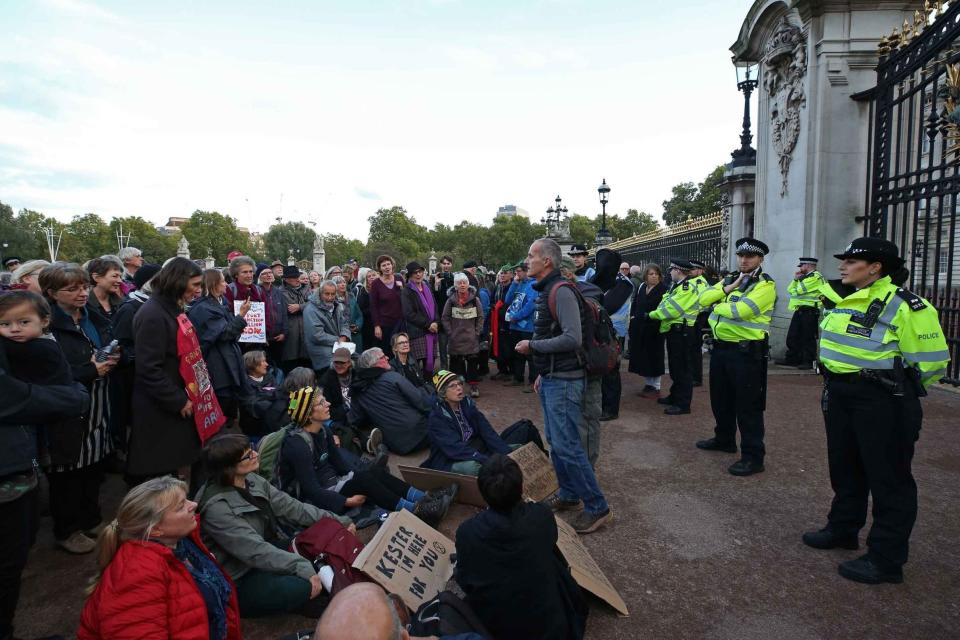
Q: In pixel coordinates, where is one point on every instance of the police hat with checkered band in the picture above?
(751, 246)
(681, 264)
(873, 250)
(698, 264)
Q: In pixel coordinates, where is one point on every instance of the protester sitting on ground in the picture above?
(156, 578)
(259, 375)
(514, 580)
(244, 521)
(335, 383)
(461, 438)
(311, 469)
(268, 411)
(403, 363)
(385, 399)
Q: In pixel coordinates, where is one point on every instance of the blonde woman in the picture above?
(156, 578)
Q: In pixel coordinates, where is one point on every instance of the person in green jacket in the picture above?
(881, 347)
(804, 292)
(740, 323)
(677, 314)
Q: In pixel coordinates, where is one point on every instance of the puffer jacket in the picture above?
(447, 443)
(521, 302)
(146, 593)
(233, 529)
(463, 323)
(322, 329)
(385, 399)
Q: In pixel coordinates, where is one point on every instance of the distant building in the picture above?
(510, 210)
(173, 225)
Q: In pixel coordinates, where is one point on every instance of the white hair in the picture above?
(129, 253)
(458, 276)
(369, 358)
(28, 269)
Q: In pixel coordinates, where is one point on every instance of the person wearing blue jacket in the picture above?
(461, 437)
(521, 300)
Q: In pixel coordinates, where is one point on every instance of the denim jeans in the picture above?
(562, 400)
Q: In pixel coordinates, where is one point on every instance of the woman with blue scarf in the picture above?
(157, 579)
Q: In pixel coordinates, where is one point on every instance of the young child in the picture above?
(34, 355)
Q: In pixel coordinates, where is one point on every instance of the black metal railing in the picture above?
(698, 239)
(913, 183)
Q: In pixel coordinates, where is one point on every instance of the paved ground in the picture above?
(694, 551)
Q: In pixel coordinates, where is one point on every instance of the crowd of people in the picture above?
(254, 406)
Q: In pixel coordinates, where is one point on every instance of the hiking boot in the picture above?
(77, 543)
(374, 440)
(587, 522)
(712, 444)
(556, 503)
(474, 391)
(432, 510)
(450, 491)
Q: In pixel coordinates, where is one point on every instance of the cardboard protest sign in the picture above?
(585, 569)
(409, 558)
(425, 479)
(539, 478)
(256, 329)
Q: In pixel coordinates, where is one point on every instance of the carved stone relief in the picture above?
(785, 67)
(724, 228)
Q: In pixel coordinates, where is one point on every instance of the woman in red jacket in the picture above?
(157, 580)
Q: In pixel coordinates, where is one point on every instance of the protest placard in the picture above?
(539, 478)
(425, 479)
(585, 569)
(409, 558)
(256, 329)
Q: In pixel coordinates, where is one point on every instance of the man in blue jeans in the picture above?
(557, 347)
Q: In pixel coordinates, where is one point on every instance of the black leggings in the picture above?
(378, 485)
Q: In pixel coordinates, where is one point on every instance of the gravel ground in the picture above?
(694, 551)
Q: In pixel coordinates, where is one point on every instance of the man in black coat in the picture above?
(509, 567)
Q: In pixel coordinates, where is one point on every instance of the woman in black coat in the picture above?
(646, 341)
(219, 330)
(163, 436)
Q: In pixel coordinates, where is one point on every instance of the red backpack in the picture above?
(328, 542)
(600, 351)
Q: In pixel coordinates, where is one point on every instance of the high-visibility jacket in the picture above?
(901, 324)
(805, 291)
(741, 315)
(702, 284)
(678, 306)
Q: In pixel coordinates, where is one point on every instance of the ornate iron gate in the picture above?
(914, 183)
(698, 238)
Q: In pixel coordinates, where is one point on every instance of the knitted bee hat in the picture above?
(301, 404)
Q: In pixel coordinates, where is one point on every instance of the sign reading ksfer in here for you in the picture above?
(256, 329)
(539, 478)
(409, 558)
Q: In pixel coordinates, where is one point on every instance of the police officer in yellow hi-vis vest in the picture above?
(700, 326)
(740, 323)
(880, 348)
(677, 312)
(804, 292)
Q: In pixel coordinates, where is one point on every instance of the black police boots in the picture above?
(712, 444)
(869, 571)
(827, 539)
(745, 467)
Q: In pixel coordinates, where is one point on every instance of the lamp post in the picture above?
(746, 155)
(432, 262)
(553, 215)
(603, 236)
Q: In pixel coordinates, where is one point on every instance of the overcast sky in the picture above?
(449, 108)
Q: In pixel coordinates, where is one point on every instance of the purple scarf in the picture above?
(426, 299)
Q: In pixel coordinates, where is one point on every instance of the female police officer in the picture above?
(880, 347)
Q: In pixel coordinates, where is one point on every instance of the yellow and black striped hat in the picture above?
(442, 378)
(301, 404)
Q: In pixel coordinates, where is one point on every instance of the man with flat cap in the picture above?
(700, 326)
(740, 323)
(579, 254)
(677, 312)
(804, 292)
(10, 263)
(881, 347)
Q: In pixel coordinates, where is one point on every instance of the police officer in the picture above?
(700, 326)
(677, 313)
(804, 292)
(740, 323)
(579, 254)
(880, 348)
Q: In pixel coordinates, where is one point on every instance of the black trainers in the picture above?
(868, 571)
(712, 444)
(587, 522)
(449, 491)
(827, 539)
(431, 510)
(556, 503)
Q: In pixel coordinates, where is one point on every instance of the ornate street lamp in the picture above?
(746, 82)
(432, 262)
(603, 235)
(554, 214)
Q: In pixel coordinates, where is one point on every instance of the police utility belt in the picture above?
(755, 347)
(896, 381)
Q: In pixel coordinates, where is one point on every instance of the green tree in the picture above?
(511, 236)
(214, 232)
(280, 239)
(394, 228)
(87, 236)
(632, 224)
(690, 201)
(338, 249)
(22, 233)
(583, 230)
(155, 246)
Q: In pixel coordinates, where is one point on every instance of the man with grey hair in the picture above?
(362, 611)
(132, 259)
(383, 398)
(557, 347)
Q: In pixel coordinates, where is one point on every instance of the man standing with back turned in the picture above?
(557, 348)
